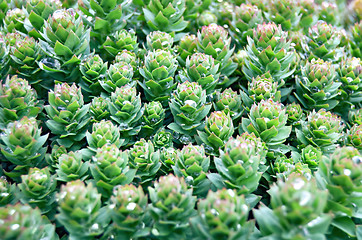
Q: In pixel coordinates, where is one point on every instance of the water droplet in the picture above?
(347, 172)
(131, 206)
(298, 183)
(214, 212)
(305, 198)
(15, 226)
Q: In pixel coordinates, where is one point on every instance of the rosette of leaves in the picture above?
(144, 158)
(14, 20)
(171, 207)
(268, 120)
(309, 14)
(110, 168)
(128, 204)
(213, 40)
(323, 41)
(80, 210)
(99, 109)
(355, 116)
(261, 88)
(119, 41)
(193, 165)
(311, 156)
(162, 138)
(152, 119)
(316, 86)
(159, 40)
(103, 133)
(165, 16)
(282, 167)
(158, 73)
(201, 68)
(4, 7)
(285, 13)
(296, 210)
(37, 189)
(24, 222)
(295, 113)
(218, 129)
(39, 11)
(7, 192)
(71, 167)
(52, 158)
(223, 215)
(224, 12)
(321, 129)
(126, 110)
(127, 57)
(25, 54)
(22, 145)
(188, 107)
(230, 102)
(329, 13)
(168, 158)
(354, 136)
(66, 41)
(68, 115)
(341, 174)
(104, 17)
(186, 47)
(356, 42)
(93, 70)
(118, 75)
(350, 76)
(270, 50)
(238, 164)
(245, 18)
(17, 100)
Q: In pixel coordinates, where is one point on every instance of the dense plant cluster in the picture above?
(180, 119)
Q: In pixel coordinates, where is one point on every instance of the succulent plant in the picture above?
(110, 168)
(103, 133)
(80, 210)
(311, 156)
(201, 68)
(67, 46)
(126, 110)
(159, 40)
(119, 41)
(218, 129)
(166, 16)
(356, 43)
(128, 205)
(118, 75)
(7, 192)
(206, 18)
(186, 47)
(341, 174)
(295, 113)
(245, 18)
(284, 12)
(14, 20)
(127, 57)
(193, 165)
(317, 87)
(23, 222)
(17, 100)
(296, 210)
(22, 145)
(322, 41)
(223, 215)
(354, 136)
(99, 109)
(105, 17)
(71, 167)
(238, 164)
(171, 207)
(329, 13)
(158, 73)
(168, 158)
(213, 40)
(189, 108)
(355, 116)
(52, 158)
(152, 118)
(93, 70)
(321, 129)
(162, 139)
(270, 50)
(308, 11)
(38, 190)
(68, 115)
(144, 158)
(267, 120)
(230, 102)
